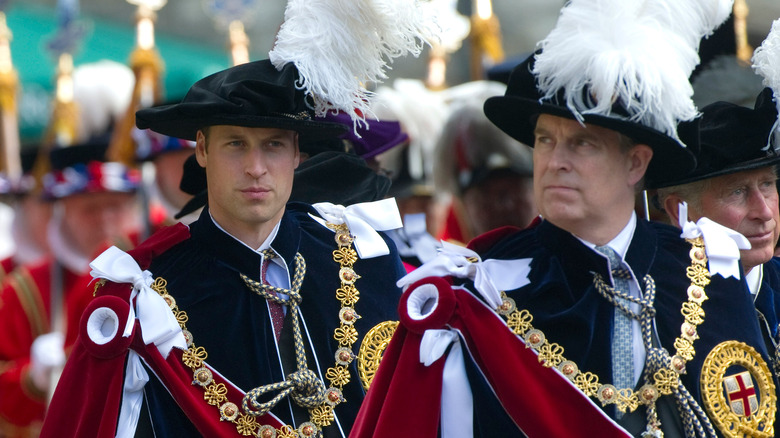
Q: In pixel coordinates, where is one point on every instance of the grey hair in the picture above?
(690, 193)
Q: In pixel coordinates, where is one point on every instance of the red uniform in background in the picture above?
(25, 312)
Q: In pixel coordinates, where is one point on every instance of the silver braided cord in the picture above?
(695, 421)
(611, 294)
(303, 385)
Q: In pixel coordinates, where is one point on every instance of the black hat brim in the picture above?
(517, 116)
(738, 167)
(181, 121)
(731, 138)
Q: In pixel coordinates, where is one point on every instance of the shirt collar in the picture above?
(754, 278)
(266, 243)
(621, 242)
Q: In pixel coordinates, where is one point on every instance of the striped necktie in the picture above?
(622, 336)
(276, 309)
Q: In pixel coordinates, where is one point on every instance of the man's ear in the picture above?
(298, 153)
(672, 208)
(200, 148)
(640, 156)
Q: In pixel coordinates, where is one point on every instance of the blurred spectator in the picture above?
(29, 217)
(488, 174)
(93, 206)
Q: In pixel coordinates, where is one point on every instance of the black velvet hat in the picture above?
(254, 94)
(516, 113)
(356, 182)
(731, 138)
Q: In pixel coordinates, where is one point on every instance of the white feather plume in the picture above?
(422, 114)
(766, 62)
(339, 46)
(102, 91)
(640, 52)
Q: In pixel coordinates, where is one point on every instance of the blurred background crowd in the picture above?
(77, 175)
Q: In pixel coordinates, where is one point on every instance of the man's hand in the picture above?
(46, 354)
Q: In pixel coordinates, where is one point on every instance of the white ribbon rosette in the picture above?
(158, 324)
(490, 276)
(364, 220)
(721, 244)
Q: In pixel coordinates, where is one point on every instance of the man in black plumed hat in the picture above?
(605, 297)
(734, 184)
(258, 312)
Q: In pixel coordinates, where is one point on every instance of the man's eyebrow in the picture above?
(540, 130)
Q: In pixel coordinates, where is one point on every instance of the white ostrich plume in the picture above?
(639, 53)
(102, 91)
(766, 62)
(339, 46)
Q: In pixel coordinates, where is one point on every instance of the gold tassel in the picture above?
(147, 64)
(744, 51)
(10, 160)
(485, 38)
(63, 125)
(239, 43)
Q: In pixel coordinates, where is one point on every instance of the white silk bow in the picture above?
(158, 324)
(490, 276)
(721, 244)
(457, 405)
(364, 220)
(132, 396)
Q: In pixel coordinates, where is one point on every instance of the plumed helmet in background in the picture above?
(470, 146)
(727, 79)
(101, 92)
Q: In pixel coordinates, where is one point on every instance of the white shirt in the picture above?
(753, 279)
(620, 244)
(277, 274)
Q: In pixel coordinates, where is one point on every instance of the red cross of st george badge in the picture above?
(741, 393)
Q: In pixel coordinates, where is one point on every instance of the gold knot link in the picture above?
(216, 393)
(587, 382)
(626, 400)
(698, 274)
(550, 354)
(684, 348)
(666, 380)
(520, 322)
(693, 313)
(346, 335)
(247, 425)
(348, 295)
(345, 256)
(322, 415)
(160, 285)
(338, 375)
(287, 431)
(194, 357)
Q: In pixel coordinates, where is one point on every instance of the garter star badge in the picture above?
(738, 391)
(371, 350)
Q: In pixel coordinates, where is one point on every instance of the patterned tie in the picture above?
(277, 310)
(622, 336)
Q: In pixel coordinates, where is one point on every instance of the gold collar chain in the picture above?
(338, 375)
(663, 381)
